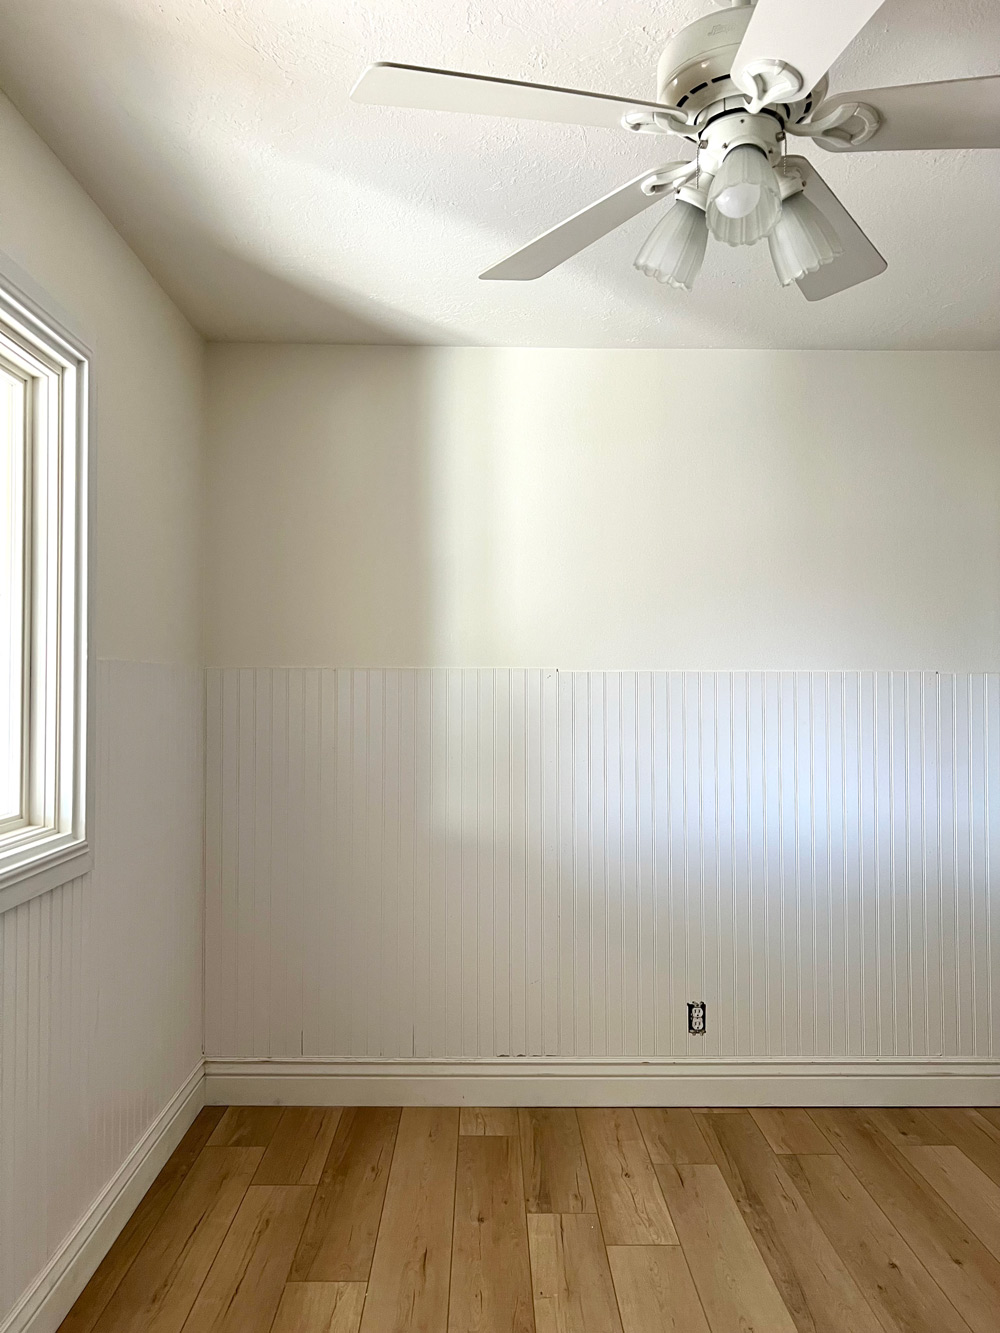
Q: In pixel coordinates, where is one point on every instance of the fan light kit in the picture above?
(733, 85)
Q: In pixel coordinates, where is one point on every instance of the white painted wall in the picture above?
(479, 853)
(609, 509)
(149, 390)
(100, 981)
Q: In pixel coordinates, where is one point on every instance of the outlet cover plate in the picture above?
(697, 1018)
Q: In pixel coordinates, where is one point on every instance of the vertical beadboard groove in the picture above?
(101, 979)
(479, 863)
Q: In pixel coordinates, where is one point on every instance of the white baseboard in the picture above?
(49, 1299)
(599, 1082)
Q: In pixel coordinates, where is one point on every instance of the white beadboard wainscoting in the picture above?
(101, 1001)
(452, 868)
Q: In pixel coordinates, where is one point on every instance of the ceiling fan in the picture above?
(734, 84)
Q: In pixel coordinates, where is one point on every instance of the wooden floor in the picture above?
(308, 1220)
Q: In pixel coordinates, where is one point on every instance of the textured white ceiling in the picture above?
(218, 137)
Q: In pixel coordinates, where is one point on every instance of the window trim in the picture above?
(40, 856)
(13, 823)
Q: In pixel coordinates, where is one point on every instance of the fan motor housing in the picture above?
(694, 69)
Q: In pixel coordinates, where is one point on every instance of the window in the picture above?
(44, 420)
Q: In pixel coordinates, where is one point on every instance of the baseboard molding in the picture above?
(596, 1082)
(49, 1299)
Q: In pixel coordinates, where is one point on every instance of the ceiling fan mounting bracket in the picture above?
(847, 126)
(766, 82)
(668, 178)
(670, 120)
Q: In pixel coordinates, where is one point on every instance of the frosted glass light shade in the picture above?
(675, 248)
(744, 202)
(802, 240)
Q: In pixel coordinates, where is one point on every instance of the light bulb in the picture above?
(744, 201)
(736, 201)
(675, 248)
(802, 240)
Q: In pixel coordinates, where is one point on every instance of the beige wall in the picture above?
(498, 507)
(149, 395)
(110, 964)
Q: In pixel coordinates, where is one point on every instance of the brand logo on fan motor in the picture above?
(719, 27)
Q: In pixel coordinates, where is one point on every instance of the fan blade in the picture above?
(958, 113)
(567, 239)
(387, 84)
(808, 35)
(859, 261)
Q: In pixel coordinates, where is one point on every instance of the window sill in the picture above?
(42, 868)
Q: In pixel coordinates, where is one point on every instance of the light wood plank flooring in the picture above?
(435, 1220)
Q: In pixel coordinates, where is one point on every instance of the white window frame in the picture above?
(52, 842)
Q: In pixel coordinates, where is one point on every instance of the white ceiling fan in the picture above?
(734, 84)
